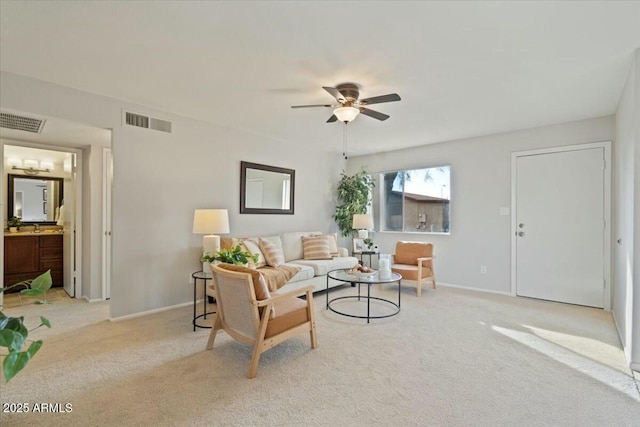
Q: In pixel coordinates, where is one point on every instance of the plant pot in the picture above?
(13, 229)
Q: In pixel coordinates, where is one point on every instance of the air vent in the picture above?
(27, 124)
(146, 122)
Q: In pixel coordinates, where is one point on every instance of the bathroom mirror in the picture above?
(35, 199)
(266, 189)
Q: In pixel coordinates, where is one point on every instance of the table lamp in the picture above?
(363, 223)
(208, 222)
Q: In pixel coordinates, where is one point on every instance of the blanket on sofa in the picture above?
(276, 277)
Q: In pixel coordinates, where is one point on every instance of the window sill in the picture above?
(421, 233)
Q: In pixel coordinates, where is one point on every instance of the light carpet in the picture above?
(450, 358)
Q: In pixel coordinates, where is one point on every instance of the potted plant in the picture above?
(13, 332)
(354, 195)
(14, 223)
(230, 256)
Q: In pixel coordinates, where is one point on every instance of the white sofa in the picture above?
(312, 272)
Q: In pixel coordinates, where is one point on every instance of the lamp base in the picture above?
(363, 234)
(210, 246)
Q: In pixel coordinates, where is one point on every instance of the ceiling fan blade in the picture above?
(332, 119)
(335, 93)
(311, 106)
(374, 114)
(380, 99)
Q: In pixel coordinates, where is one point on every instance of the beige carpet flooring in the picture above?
(450, 358)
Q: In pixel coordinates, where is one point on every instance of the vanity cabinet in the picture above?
(26, 257)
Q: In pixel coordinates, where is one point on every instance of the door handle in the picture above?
(521, 225)
(521, 233)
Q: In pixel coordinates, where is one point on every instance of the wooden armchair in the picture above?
(249, 314)
(414, 261)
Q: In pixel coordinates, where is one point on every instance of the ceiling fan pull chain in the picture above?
(344, 141)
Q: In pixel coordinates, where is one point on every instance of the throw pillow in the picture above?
(316, 247)
(333, 244)
(253, 247)
(272, 253)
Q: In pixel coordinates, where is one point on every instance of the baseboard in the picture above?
(635, 367)
(469, 288)
(145, 313)
(91, 300)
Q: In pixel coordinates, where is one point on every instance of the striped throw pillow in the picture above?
(253, 247)
(316, 247)
(272, 253)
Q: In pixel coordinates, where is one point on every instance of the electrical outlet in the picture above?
(483, 269)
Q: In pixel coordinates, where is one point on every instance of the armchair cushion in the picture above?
(409, 252)
(291, 311)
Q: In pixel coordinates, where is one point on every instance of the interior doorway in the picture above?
(85, 143)
(560, 225)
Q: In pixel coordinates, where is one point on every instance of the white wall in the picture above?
(627, 216)
(480, 186)
(159, 179)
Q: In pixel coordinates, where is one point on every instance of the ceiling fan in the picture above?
(349, 105)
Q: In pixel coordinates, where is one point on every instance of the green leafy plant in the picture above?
(13, 332)
(354, 195)
(14, 221)
(231, 256)
(368, 243)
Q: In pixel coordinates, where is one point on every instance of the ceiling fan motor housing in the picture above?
(350, 91)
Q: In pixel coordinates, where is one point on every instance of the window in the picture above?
(416, 200)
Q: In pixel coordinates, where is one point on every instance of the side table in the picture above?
(200, 275)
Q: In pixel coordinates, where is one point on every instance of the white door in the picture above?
(559, 231)
(68, 220)
(107, 179)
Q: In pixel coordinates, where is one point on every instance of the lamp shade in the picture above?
(362, 222)
(346, 114)
(210, 221)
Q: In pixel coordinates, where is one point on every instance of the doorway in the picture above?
(561, 224)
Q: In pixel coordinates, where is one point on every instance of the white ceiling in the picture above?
(462, 69)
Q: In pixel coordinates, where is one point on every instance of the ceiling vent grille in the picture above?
(146, 122)
(27, 124)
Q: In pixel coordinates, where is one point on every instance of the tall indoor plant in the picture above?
(354, 195)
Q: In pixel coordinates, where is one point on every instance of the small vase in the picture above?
(13, 229)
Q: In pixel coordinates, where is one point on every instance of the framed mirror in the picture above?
(266, 189)
(35, 199)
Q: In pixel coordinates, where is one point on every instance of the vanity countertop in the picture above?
(31, 233)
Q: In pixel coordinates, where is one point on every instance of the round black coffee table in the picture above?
(368, 280)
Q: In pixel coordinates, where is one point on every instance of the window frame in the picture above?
(380, 211)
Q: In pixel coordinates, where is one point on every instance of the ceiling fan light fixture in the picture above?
(346, 114)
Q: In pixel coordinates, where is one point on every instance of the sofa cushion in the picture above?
(253, 247)
(316, 247)
(323, 266)
(272, 252)
(292, 244)
(306, 272)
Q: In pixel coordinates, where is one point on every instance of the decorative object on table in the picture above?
(362, 271)
(354, 195)
(230, 256)
(14, 333)
(384, 266)
(369, 244)
(358, 246)
(14, 223)
(414, 261)
(208, 222)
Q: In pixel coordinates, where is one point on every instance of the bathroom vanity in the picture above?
(28, 254)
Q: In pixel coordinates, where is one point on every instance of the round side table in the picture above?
(205, 277)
